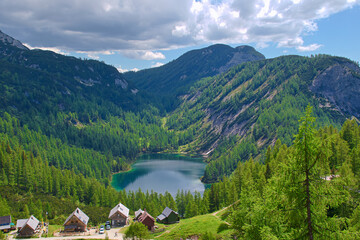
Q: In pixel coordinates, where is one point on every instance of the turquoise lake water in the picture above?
(162, 172)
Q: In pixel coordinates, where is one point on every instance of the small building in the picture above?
(5, 223)
(119, 215)
(29, 227)
(168, 216)
(146, 219)
(138, 214)
(20, 223)
(76, 222)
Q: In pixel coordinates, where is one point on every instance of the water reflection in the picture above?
(162, 172)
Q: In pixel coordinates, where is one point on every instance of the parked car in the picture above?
(102, 229)
(107, 227)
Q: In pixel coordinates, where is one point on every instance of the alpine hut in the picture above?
(119, 215)
(138, 214)
(5, 223)
(146, 219)
(29, 227)
(20, 223)
(168, 216)
(77, 221)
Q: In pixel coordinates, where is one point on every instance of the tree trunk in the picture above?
(308, 206)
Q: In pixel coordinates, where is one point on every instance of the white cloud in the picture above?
(122, 70)
(143, 55)
(309, 48)
(95, 54)
(53, 49)
(140, 28)
(158, 64)
(180, 31)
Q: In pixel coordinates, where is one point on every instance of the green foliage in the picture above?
(2, 235)
(296, 195)
(5, 209)
(137, 230)
(176, 77)
(208, 236)
(243, 111)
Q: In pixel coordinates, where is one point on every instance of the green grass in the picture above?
(198, 225)
(51, 230)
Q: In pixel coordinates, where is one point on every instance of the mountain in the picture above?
(85, 103)
(240, 113)
(9, 41)
(177, 76)
(54, 80)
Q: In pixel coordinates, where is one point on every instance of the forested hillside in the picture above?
(176, 77)
(306, 191)
(66, 125)
(238, 114)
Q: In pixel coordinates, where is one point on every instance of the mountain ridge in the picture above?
(6, 39)
(178, 76)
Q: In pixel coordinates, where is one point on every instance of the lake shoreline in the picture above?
(162, 172)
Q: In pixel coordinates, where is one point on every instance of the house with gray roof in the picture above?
(119, 215)
(5, 223)
(168, 216)
(20, 223)
(29, 227)
(76, 222)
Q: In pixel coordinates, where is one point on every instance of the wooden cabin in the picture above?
(168, 216)
(20, 223)
(5, 223)
(30, 227)
(138, 214)
(119, 215)
(146, 219)
(76, 222)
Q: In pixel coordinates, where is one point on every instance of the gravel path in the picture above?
(92, 235)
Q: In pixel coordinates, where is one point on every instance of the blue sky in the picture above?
(138, 34)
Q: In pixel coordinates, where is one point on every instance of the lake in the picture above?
(162, 172)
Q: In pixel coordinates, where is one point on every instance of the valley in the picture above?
(68, 124)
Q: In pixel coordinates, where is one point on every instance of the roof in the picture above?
(20, 223)
(3, 227)
(121, 209)
(138, 213)
(5, 220)
(144, 215)
(167, 211)
(161, 217)
(32, 222)
(80, 215)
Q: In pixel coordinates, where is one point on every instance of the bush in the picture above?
(137, 230)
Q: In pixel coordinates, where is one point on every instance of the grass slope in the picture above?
(198, 225)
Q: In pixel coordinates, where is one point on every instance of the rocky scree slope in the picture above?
(261, 101)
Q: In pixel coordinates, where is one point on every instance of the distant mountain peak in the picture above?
(177, 76)
(7, 40)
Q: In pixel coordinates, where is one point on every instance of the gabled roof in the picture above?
(32, 222)
(20, 223)
(167, 211)
(121, 209)
(145, 215)
(80, 215)
(138, 213)
(5, 220)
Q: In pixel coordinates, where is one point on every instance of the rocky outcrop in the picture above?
(7, 40)
(242, 54)
(339, 84)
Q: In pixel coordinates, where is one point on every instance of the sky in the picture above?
(138, 34)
